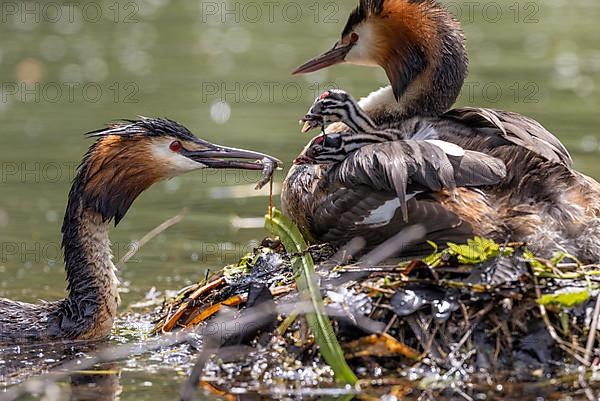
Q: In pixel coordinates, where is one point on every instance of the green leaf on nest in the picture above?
(306, 282)
(241, 268)
(476, 250)
(565, 300)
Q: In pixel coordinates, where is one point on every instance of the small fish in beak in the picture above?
(269, 167)
(220, 157)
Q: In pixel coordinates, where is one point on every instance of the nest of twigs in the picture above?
(481, 312)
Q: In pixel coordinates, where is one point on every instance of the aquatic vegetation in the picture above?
(467, 313)
(307, 284)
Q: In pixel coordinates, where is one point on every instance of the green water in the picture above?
(70, 70)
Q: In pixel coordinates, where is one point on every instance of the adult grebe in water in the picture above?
(125, 160)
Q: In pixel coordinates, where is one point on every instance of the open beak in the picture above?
(331, 57)
(310, 122)
(220, 157)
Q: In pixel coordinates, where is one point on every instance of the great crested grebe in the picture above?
(406, 161)
(126, 159)
(334, 194)
(422, 49)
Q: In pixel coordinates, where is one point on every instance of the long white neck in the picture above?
(380, 101)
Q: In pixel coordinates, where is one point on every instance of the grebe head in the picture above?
(130, 156)
(337, 146)
(324, 149)
(331, 106)
(417, 42)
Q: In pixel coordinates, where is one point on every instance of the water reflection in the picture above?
(100, 384)
(19, 362)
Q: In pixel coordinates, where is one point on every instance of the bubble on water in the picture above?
(566, 65)
(53, 48)
(220, 112)
(95, 70)
(51, 216)
(588, 144)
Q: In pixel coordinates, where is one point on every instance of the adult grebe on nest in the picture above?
(400, 157)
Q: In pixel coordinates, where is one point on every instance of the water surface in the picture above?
(225, 75)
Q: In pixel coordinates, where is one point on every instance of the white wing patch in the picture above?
(427, 131)
(383, 214)
(448, 148)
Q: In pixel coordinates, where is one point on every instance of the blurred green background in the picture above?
(222, 69)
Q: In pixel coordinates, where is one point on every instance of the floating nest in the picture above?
(466, 319)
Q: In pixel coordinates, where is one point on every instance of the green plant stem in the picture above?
(307, 284)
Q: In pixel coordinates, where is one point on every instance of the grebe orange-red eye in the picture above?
(175, 146)
(354, 37)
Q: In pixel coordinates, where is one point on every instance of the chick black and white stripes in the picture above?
(385, 160)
